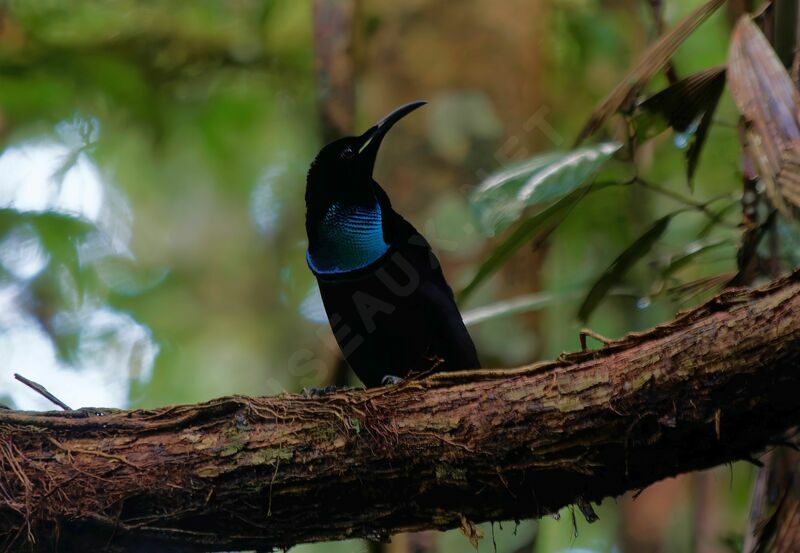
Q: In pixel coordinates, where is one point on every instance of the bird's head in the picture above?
(342, 170)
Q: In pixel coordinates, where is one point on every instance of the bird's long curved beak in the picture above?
(370, 141)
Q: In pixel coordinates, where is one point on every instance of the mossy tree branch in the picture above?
(716, 384)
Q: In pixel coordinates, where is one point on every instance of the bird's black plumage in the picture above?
(388, 303)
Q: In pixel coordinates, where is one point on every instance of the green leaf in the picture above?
(620, 266)
(681, 104)
(502, 197)
(692, 251)
(57, 231)
(651, 62)
(60, 235)
(688, 107)
(524, 232)
(507, 308)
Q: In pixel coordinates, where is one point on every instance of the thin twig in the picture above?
(591, 334)
(271, 482)
(43, 391)
(701, 206)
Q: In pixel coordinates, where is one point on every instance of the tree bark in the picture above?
(716, 384)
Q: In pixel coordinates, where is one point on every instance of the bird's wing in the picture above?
(452, 340)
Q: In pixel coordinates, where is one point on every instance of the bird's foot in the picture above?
(311, 392)
(314, 392)
(390, 379)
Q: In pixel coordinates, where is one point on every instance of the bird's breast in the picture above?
(347, 238)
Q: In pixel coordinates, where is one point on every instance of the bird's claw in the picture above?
(311, 391)
(390, 379)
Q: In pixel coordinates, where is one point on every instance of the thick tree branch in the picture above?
(716, 384)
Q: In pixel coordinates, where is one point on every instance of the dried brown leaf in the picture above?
(769, 102)
(788, 180)
(686, 291)
(654, 59)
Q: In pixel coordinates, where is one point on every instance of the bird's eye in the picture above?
(347, 153)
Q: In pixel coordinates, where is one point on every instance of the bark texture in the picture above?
(716, 384)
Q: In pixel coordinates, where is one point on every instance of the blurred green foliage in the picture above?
(151, 202)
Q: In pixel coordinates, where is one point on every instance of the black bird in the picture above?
(388, 303)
